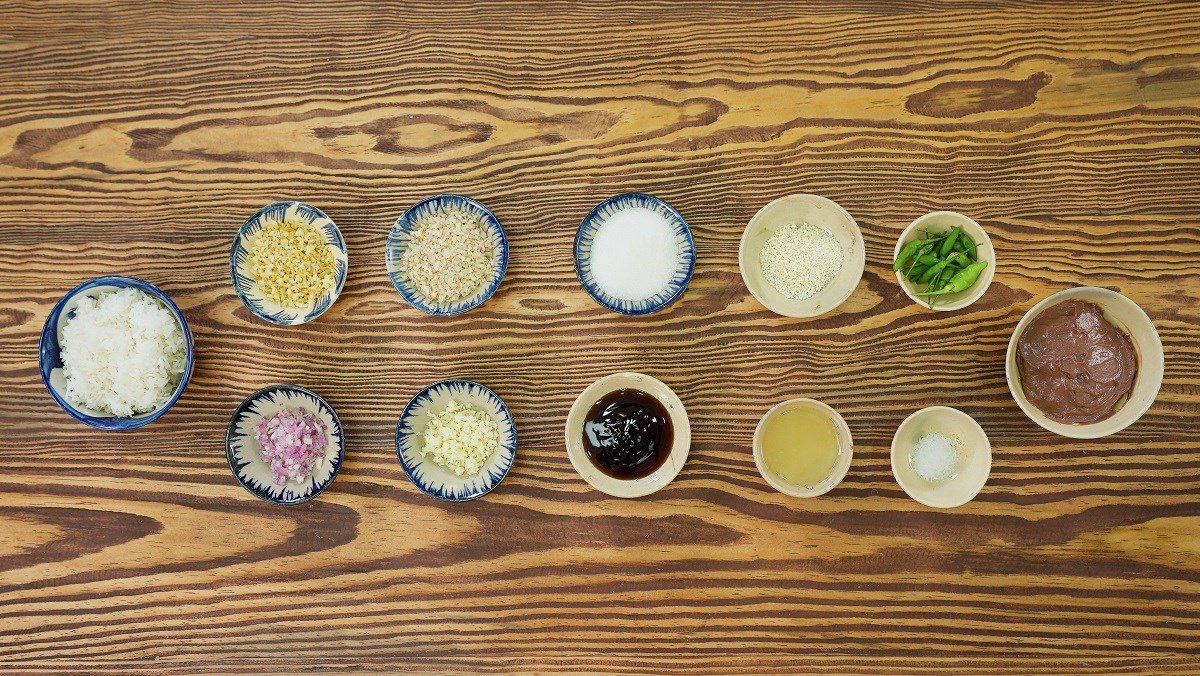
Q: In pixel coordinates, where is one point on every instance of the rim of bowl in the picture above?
(977, 290)
(46, 358)
(231, 428)
(339, 280)
(968, 420)
(1094, 430)
(681, 442)
(447, 309)
(589, 284)
(408, 471)
(840, 470)
(859, 243)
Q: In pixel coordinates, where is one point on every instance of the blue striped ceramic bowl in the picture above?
(243, 452)
(248, 291)
(583, 252)
(397, 243)
(427, 475)
(50, 360)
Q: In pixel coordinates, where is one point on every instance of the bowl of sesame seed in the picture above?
(288, 263)
(446, 254)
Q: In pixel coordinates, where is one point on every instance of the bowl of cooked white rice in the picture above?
(116, 353)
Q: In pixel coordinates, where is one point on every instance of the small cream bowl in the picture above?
(680, 444)
(815, 210)
(939, 222)
(974, 457)
(845, 450)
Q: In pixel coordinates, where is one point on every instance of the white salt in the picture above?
(635, 254)
(934, 458)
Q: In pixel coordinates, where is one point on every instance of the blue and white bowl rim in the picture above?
(240, 283)
(643, 307)
(408, 411)
(49, 356)
(404, 224)
(231, 430)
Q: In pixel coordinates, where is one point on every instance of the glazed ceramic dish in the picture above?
(943, 221)
(50, 360)
(845, 450)
(684, 266)
(974, 457)
(244, 454)
(426, 474)
(1129, 318)
(799, 209)
(253, 298)
(397, 243)
(681, 440)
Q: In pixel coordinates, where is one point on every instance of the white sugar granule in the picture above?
(635, 254)
(935, 458)
(799, 260)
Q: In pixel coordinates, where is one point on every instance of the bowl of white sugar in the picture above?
(801, 255)
(116, 353)
(941, 457)
(634, 254)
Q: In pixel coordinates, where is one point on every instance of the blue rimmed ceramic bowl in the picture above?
(253, 298)
(397, 244)
(684, 267)
(50, 359)
(430, 477)
(244, 454)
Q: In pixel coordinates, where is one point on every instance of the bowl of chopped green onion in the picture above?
(944, 261)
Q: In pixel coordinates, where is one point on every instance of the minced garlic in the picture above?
(460, 439)
(449, 255)
(290, 262)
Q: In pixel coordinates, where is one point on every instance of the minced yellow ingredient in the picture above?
(460, 438)
(290, 262)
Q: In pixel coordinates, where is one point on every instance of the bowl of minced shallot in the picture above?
(285, 444)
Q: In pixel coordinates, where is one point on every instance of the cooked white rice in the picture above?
(123, 353)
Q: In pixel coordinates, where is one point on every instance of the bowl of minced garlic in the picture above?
(288, 263)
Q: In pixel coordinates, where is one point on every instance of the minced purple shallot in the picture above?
(292, 441)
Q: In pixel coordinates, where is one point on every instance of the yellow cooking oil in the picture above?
(801, 446)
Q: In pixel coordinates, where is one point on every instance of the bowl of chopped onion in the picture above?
(285, 445)
(446, 254)
(288, 263)
(456, 440)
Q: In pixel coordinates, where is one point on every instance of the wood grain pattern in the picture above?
(136, 136)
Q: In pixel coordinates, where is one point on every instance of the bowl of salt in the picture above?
(634, 254)
(941, 457)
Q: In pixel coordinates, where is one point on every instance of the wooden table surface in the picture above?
(136, 137)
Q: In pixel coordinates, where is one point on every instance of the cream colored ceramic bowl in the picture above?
(974, 456)
(845, 455)
(817, 211)
(943, 221)
(1126, 316)
(628, 488)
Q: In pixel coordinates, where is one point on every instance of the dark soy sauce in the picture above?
(627, 434)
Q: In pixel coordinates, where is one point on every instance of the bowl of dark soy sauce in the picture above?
(628, 435)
